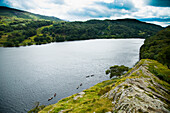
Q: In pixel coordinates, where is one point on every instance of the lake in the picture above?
(34, 73)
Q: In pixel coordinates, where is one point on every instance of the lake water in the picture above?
(35, 73)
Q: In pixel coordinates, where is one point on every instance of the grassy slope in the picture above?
(31, 39)
(10, 12)
(93, 101)
(9, 16)
(8, 20)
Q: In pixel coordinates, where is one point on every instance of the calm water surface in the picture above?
(35, 73)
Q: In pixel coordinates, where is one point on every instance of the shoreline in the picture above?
(69, 41)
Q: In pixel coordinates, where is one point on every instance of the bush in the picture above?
(117, 70)
(8, 44)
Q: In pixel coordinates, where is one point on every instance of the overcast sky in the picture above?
(153, 11)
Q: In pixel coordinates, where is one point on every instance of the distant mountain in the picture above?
(10, 12)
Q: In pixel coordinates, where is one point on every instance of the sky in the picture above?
(152, 11)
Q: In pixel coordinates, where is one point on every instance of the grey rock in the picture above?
(138, 96)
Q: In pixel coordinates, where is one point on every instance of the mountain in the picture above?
(21, 28)
(141, 90)
(19, 32)
(10, 12)
(157, 47)
(94, 29)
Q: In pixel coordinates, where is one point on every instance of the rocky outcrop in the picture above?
(79, 95)
(140, 92)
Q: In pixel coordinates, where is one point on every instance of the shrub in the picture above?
(117, 70)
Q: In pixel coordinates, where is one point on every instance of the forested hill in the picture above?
(122, 28)
(20, 28)
(157, 47)
(10, 12)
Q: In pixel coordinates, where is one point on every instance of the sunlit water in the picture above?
(35, 73)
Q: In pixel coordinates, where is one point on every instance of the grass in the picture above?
(161, 71)
(153, 89)
(104, 90)
(92, 100)
(20, 21)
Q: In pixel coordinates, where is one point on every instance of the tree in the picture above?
(117, 70)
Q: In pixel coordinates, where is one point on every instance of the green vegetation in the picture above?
(117, 70)
(98, 29)
(16, 32)
(104, 90)
(36, 108)
(90, 102)
(15, 13)
(157, 48)
(161, 72)
(20, 28)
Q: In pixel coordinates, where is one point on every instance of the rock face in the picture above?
(140, 92)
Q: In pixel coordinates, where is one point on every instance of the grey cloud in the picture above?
(93, 13)
(158, 3)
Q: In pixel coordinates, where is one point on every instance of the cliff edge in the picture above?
(144, 88)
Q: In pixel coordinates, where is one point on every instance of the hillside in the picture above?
(15, 32)
(157, 47)
(95, 29)
(15, 13)
(140, 90)
(21, 28)
(22, 32)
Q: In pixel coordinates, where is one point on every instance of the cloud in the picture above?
(57, 1)
(33, 4)
(73, 10)
(118, 4)
(93, 13)
(159, 3)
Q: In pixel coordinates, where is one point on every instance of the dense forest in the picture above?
(20, 28)
(95, 29)
(157, 47)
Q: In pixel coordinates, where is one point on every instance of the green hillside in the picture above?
(20, 28)
(10, 12)
(157, 47)
(16, 31)
(98, 29)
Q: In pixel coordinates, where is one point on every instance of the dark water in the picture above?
(35, 73)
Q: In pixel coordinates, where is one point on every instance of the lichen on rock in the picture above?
(140, 93)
